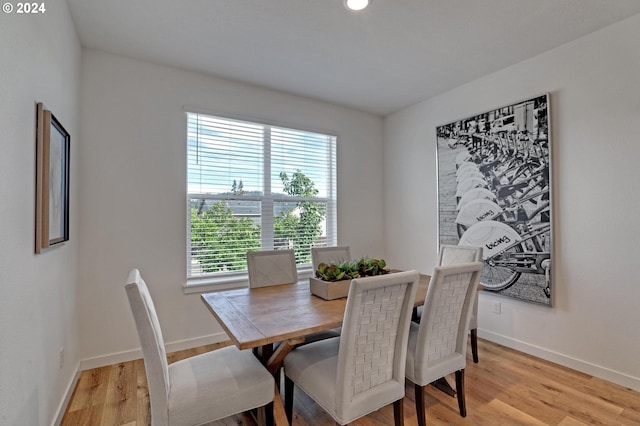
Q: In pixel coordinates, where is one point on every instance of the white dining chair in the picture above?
(271, 267)
(328, 255)
(451, 255)
(438, 345)
(202, 388)
(363, 370)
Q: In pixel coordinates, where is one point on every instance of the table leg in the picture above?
(279, 415)
(273, 365)
(263, 353)
(277, 358)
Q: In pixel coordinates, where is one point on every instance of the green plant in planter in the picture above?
(364, 267)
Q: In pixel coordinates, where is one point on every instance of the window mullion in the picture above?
(267, 201)
(332, 213)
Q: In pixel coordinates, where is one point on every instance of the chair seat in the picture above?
(314, 366)
(215, 385)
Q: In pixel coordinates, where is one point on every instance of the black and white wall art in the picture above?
(494, 192)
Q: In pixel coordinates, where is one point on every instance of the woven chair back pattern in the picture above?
(449, 305)
(376, 337)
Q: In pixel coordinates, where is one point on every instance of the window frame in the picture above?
(239, 279)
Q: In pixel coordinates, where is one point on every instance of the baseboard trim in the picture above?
(600, 372)
(68, 393)
(125, 356)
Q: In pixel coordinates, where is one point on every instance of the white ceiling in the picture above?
(389, 56)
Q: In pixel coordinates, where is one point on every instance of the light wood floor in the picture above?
(505, 388)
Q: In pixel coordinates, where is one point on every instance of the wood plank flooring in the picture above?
(506, 387)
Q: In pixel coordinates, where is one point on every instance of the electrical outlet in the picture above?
(61, 358)
(497, 308)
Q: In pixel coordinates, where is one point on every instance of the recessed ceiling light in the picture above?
(356, 4)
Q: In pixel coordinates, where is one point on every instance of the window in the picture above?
(254, 186)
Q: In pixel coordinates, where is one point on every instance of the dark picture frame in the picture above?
(53, 144)
(494, 192)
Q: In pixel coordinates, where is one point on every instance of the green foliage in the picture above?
(300, 226)
(237, 188)
(220, 241)
(364, 267)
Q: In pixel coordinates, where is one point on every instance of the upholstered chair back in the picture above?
(373, 346)
(329, 254)
(441, 344)
(153, 351)
(271, 267)
(452, 254)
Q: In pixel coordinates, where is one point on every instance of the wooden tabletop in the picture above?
(260, 316)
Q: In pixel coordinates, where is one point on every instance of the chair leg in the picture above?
(288, 398)
(398, 412)
(414, 315)
(265, 415)
(474, 344)
(420, 408)
(277, 378)
(460, 391)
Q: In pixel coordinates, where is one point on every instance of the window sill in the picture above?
(229, 282)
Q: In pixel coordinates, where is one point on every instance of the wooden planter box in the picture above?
(329, 290)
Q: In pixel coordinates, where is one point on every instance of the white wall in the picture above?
(595, 106)
(39, 62)
(133, 183)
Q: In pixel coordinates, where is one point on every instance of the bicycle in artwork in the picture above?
(495, 192)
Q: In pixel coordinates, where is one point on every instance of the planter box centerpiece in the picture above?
(332, 280)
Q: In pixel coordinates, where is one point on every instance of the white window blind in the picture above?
(253, 186)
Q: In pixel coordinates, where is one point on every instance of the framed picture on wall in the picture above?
(52, 180)
(494, 192)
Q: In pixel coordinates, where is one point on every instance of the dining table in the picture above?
(283, 314)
